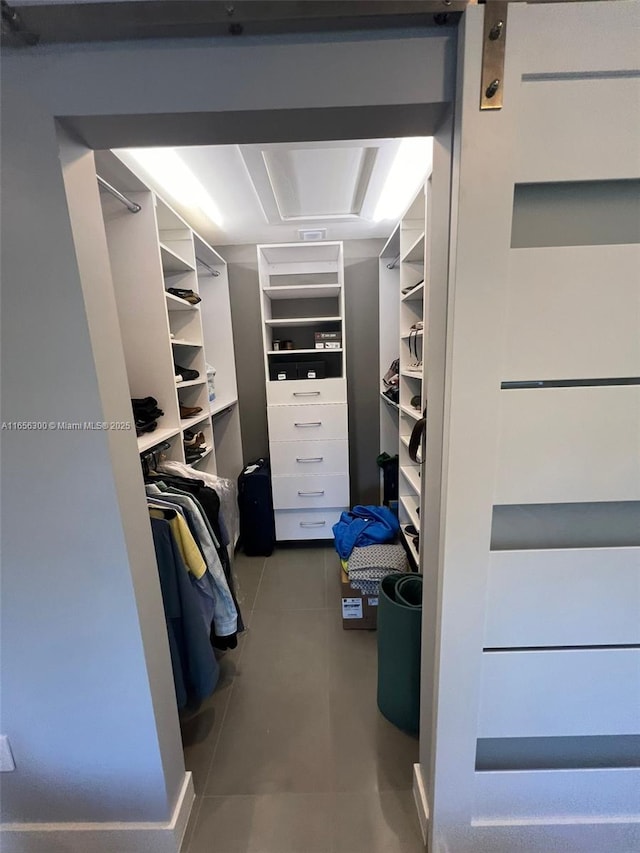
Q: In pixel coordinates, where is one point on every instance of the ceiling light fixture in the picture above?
(411, 166)
(308, 234)
(166, 168)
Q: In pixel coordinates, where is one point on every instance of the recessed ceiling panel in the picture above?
(270, 192)
(319, 182)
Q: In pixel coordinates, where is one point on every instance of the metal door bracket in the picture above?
(493, 47)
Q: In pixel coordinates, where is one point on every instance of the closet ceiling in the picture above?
(269, 193)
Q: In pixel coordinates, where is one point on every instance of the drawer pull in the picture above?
(310, 424)
(311, 494)
(306, 393)
(312, 523)
(309, 458)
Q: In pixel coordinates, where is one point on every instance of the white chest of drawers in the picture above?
(309, 450)
(307, 417)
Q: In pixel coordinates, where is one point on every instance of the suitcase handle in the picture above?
(310, 424)
(306, 393)
(312, 523)
(309, 458)
(311, 494)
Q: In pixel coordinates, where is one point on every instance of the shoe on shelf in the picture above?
(182, 293)
(187, 374)
(391, 376)
(197, 440)
(192, 455)
(416, 402)
(189, 411)
(411, 287)
(179, 378)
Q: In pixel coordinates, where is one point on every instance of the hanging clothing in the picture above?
(217, 602)
(191, 556)
(226, 490)
(195, 669)
(214, 512)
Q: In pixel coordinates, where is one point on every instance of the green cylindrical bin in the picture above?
(399, 638)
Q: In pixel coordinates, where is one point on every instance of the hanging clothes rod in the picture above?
(222, 412)
(214, 273)
(157, 448)
(394, 263)
(130, 205)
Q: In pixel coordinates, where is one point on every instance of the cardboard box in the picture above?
(359, 610)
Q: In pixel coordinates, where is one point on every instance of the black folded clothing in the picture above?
(144, 402)
(182, 293)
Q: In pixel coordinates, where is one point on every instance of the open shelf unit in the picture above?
(150, 439)
(151, 251)
(389, 320)
(415, 294)
(302, 305)
(303, 321)
(389, 402)
(402, 335)
(412, 346)
(174, 303)
(172, 262)
(411, 506)
(308, 291)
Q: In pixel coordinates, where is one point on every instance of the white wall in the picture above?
(77, 704)
(83, 679)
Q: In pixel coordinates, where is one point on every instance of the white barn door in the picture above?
(536, 741)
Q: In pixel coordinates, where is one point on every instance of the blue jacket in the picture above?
(364, 525)
(195, 668)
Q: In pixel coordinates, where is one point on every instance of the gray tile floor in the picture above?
(291, 755)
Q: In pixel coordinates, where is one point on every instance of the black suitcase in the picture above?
(255, 502)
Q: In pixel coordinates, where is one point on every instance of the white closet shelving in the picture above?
(151, 251)
(302, 293)
(389, 310)
(213, 283)
(412, 363)
(402, 324)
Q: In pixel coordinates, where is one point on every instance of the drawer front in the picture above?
(309, 457)
(306, 524)
(313, 491)
(307, 423)
(297, 392)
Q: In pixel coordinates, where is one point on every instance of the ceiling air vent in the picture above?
(312, 234)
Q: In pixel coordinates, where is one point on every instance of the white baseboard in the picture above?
(422, 804)
(153, 837)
